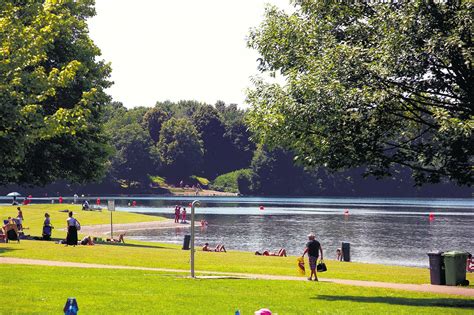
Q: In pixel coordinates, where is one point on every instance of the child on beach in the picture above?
(183, 216)
(177, 211)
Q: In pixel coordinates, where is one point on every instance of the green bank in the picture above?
(158, 255)
(44, 290)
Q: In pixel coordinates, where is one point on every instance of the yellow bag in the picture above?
(300, 262)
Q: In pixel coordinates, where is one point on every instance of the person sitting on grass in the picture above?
(219, 248)
(87, 241)
(280, 253)
(339, 254)
(119, 240)
(10, 229)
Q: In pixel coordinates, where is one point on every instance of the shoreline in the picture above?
(104, 229)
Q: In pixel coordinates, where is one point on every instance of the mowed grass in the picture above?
(171, 256)
(34, 217)
(44, 290)
(157, 255)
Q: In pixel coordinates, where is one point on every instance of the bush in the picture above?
(201, 180)
(228, 182)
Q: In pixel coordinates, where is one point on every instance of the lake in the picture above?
(387, 231)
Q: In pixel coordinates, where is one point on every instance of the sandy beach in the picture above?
(104, 229)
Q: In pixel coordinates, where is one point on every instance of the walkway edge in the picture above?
(438, 289)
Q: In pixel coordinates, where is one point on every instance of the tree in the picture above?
(179, 149)
(51, 93)
(274, 173)
(153, 120)
(374, 85)
(211, 130)
(131, 163)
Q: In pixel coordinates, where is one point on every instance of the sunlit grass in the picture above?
(44, 290)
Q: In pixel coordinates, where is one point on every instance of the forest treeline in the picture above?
(190, 143)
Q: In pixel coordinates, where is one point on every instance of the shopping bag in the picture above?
(300, 262)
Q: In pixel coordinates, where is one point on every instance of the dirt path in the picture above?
(397, 286)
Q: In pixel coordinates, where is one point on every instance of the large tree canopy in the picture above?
(179, 149)
(373, 85)
(51, 93)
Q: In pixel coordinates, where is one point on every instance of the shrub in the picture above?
(228, 182)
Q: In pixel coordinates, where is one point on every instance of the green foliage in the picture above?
(201, 180)
(274, 173)
(179, 148)
(131, 162)
(229, 182)
(51, 93)
(153, 120)
(375, 85)
(160, 181)
(211, 130)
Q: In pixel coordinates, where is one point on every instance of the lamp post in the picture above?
(195, 203)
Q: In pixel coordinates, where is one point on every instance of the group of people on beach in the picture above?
(179, 213)
(73, 225)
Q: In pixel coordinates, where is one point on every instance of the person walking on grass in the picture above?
(313, 248)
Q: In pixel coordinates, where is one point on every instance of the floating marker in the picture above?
(262, 208)
(431, 216)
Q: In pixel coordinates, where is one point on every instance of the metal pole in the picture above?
(195, 203)
(111, 228)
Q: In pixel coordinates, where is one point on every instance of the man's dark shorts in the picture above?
(312, 262)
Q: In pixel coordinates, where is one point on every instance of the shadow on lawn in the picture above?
(6, 250)
(443, 302)
(135, 245)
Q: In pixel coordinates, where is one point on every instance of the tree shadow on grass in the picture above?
(434, 302)
(134, 245)
(4, 250)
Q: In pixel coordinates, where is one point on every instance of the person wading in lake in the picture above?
(313, 247)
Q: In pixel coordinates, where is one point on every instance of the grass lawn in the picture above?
(171, 256)
(44, 290)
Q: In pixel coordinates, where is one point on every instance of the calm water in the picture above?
(388, 231)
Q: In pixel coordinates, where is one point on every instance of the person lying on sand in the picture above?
(280, 253)
(219, 248)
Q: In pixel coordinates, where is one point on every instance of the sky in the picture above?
(178, 50)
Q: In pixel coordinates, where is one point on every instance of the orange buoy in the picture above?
(431, 216)
(262, 208)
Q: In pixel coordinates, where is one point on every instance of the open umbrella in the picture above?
(14, 195)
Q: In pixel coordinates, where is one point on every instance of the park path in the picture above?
(441, 289)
